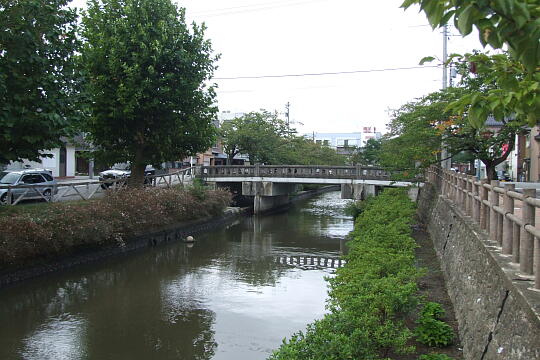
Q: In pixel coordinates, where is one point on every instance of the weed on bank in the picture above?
(41, 231)
(370, 297)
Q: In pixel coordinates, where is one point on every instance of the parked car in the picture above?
(27, 177)
(122, 171)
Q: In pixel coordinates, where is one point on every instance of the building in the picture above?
(343, 143)
(65, 161)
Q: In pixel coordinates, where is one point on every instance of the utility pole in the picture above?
(446, 163)
(287, 115)
(445, 57)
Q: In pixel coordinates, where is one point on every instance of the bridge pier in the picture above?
(267, 195)
(357, 191)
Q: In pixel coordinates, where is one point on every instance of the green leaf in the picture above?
(465, 20)
(426, 59)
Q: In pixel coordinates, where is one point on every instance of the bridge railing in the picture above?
(295, 171)
(508, 216)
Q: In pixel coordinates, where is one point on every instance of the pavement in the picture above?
(76, 179)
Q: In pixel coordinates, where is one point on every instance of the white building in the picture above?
(64, 161)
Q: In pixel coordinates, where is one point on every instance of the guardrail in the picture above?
(296, 171)
(88, 189)
(508, 216)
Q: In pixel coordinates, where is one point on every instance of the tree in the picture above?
(146, 80)
(267, 139)
(37, 76)
(256, 134)
(417, 129)
(413, 137)
(368, 155)
(515, 23)
(300, 150)
(498, 85)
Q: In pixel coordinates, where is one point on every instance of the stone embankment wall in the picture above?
(497, 310)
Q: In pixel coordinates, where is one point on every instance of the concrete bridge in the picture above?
(271, 185)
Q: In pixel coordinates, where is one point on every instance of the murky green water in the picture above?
(224, 298)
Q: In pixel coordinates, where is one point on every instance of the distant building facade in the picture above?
(343, 143)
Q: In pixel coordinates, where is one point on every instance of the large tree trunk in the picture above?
(138, 166)
(490, 172)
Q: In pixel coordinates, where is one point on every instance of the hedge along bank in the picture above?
(36, 233)
(369, 297)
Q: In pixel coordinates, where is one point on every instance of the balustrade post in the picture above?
(443, 182)
(507, 230)
(257, 170)
(493, 215)
(476, 202)
(454, 193)
(463, 191)
(537, 263)
(484, 209)
(469, 200)
(526, 256)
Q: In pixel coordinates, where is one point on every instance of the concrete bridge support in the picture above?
(357, 191)
(267, 195)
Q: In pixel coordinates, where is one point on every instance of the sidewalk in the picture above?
(76, 179)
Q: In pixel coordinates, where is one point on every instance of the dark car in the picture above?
(123, 171)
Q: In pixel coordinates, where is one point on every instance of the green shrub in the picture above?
(55, 229)
(432, 331)
(432, 310)
(370, 295)
(435, 357)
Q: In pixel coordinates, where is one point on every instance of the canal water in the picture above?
(226, 297)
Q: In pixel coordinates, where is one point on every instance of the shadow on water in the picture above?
(225, 297)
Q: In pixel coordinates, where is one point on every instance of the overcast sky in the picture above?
(282, 37)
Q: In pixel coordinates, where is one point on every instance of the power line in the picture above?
(252, 8)
(325, 73)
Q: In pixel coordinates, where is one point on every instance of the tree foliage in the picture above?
(146, 81)
(37, 76)
(368, 155)
(499, 86)
(418, 128)
(257, 134)
(413, 138)
(515, 23)
(267, 139)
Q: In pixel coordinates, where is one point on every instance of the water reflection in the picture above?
(223, 298)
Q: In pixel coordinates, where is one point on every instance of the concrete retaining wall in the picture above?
(497, 312)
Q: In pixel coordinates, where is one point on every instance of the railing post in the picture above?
(469, 200)
(257, 170)
(493, 215)
(507, 223)
(463, 190)
(476, 202)
(453, 184)
(526, 256)
(484, 214)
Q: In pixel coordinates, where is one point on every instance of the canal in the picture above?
(225, 297)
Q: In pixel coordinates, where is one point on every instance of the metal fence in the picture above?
(64, 191)
(508, 216)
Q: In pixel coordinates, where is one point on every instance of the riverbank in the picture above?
(42, 238)
(377, 302)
